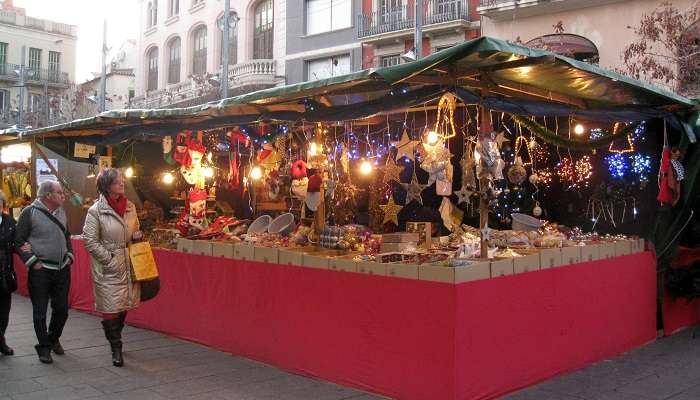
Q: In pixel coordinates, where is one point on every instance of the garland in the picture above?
(560, 141)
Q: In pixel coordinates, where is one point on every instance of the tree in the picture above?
(666, 51)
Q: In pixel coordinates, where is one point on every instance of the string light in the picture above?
(641, 167)
(575, 174)
(544, 177)
(168, 178)
(617, 165)
(366, 167)
(597, 133)
(431, 138)
(584, 171)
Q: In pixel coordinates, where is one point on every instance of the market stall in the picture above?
(437, 229)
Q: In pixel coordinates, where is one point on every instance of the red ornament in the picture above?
(669, 185)
(315, 182)
(299, 169)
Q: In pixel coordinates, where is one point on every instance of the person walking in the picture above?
(111, 224)
(43, 243)
(7, 272)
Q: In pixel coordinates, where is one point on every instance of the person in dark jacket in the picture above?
(43, 242)
(7, 237)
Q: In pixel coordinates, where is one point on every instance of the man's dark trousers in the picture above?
(44, 285)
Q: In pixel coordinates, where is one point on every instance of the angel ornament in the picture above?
(489, 163)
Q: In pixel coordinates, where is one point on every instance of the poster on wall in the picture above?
(82, 150)
(43, 172)
(104, 162)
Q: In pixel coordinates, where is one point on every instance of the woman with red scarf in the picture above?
(111, 224)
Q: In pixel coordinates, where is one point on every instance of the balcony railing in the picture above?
(403, 17)
(10, 72)
(19, 19)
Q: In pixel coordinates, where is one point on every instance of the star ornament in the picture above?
(413, 190)
(392, 172)
(406, 147)
(391, 211)
(463, 195)
(500, 139)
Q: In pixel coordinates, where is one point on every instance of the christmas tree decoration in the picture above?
(445, 119)
(534, 178)
(500, 139)
(517, 173)
(489, 164)
(197, 205)
(344, 159)
(451, 215)
(392, 172)
(628, 149)
(413, 190)
(405, 147)
(234, 178)
(464, 195)
(299, 169)
(617, 165)
(584, 171)
(641, 167)
(391, 211)
(467, 165)
(537, 210)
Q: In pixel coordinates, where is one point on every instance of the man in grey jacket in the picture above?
(43, 242)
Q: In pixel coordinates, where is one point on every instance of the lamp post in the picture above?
(103, 75)
(226, 23)
(418, 38)
(21, 87)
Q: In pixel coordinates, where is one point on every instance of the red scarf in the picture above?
(118, 204)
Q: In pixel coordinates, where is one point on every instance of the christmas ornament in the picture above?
(192, 169)
(406, 147)
(436, 162)
(413, 190)
(467, 165)
(234, 178)
(445, 119)
(517, 173)
(500, 139)
(537, 210)
(533, 178)
(274, 185)
(451, 215)
(197, 199)
(168, 150)
(671, 174)
(313, 195)
(299, 187)
(488, 158)
(392, 172)
(299, 169)
(344, 159)
(391, 211)
(463, 195)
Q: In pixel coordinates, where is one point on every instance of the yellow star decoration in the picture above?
(392, 172)
(406, 147)
(391, 211)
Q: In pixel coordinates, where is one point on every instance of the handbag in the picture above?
(8, 280)
(149, 289)
(142, 262)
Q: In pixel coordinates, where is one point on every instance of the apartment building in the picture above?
(180, 50)
(120, 79)
(386, 28)
(48, 66)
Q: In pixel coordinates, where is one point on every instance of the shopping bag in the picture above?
(142, 262)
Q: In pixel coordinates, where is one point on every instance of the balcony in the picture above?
(400, 21)
(9, 72)
(244, 78)
(13, 17)
(507, 9)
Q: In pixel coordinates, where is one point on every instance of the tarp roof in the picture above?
(502, 75)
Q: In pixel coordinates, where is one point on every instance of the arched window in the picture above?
(174, 61)
(152, 58)
(199, 50)
(567, 44)
(232, 44)
(155, 13)
(262, 34)
(149, 15)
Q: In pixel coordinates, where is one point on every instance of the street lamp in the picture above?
(231, 23)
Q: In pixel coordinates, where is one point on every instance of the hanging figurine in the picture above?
(671, 174)
(168, 150)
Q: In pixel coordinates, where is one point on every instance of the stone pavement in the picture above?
(157, 367)
(160, 367)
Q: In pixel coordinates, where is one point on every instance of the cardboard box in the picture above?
(184, 245)
(570, 255)
(202, 248)
(371, 268)
(439, 273)
(266, 254)
(623, 247)
(424, 231)
(550, 258)
(222, 249)
(315, 261)
(606, 250)
(346, 264)
(502, 267)
(399, 237)
(291, 257)
(243, 252)
(397, 247)
(399, 270)
(526, 263)
(590, 252)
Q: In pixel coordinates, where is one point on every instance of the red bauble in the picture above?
(299, 169)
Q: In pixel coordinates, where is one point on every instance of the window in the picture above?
(4, 99)
(392, 11)
(35, 103)
(173, 7)
(152, 58)
(195, 2)
(262, 34)
(388, 61)
(54, 108)
(232, 45)
(327, 15)
(155, 13)
(149, 15)
(54, 66)
(328, 67)
(174, 61)
(34, 60)
(3, 58)
(199, 55)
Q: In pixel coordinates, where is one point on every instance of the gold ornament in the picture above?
(391, 211)
(392, 172)
(517, 173)
(406, 147)
(413, 190)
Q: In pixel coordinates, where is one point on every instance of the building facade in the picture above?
(120, 80)
(48, 64)
(180, 49)
(386, 28)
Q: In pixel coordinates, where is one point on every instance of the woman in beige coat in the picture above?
(111, 224)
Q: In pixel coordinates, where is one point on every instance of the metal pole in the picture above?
(46, 101)
(418, 38)
(226, 55)
(21, 87)
(103, 76)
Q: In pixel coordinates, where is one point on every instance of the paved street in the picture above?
(160, 367)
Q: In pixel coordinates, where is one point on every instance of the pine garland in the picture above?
(561, 141)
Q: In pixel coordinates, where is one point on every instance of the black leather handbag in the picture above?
(8, 280)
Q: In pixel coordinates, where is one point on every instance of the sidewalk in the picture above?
(157, 367)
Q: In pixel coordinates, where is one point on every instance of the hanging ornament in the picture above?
(413, 190)
(313, 191)
(168, 150)
(671, 174)
(392, 172)
(451, 215)
(488, 158)
(463, 195)
(405, 147)
(517, 173)
(467, 164)
(197, 204)
(181, 155)
(391, 212)
(445, 119)
(192, 169)
(617, 165)
(299, 187)
(537, 210)
(344, 159)
(500, 139)
(533, 178)
(274, 185)
(436, 162)
(299, 169)
(234, 179)
(630, 142)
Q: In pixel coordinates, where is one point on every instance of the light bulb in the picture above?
(578, 129)
(366, 167)
(129, 172)
(255, 173)
(168, 178)
(432, 138)
(208, 172)
(313, 149)
(477, 156)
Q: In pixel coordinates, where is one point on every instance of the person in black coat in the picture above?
(7, 237)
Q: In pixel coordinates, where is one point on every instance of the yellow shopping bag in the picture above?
(142, 261)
